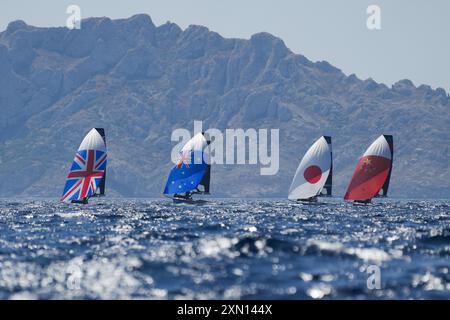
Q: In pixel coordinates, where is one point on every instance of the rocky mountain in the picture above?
(140, 81)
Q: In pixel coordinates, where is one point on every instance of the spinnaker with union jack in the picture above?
(87, 175)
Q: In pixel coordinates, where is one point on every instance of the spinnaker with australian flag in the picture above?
(191, 174)
(373, 172)
(87, 176)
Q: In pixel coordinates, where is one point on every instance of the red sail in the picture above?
(372, 170)
(370, 175)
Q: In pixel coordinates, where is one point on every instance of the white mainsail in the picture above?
(312, 172)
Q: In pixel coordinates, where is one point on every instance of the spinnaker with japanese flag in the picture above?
(192, 172)
(87, 176)
(314, 174)
(373, 172)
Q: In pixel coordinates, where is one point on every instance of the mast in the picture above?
(385, 187)
(205, 182)
(327, 188)
(101, 188)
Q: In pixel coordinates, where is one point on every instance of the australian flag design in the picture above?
(187, 173)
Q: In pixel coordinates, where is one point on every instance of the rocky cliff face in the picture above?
(140, 82)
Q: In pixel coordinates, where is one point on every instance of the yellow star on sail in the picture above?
(367, 162)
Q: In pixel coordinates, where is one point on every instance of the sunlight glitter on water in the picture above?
(226, 249)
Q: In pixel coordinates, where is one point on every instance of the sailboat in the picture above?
(192, 173)
(373, 172)
(314, 174)
(87, 175)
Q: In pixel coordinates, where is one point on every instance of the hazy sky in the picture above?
(413, 43)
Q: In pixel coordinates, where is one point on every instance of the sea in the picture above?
(224, 249)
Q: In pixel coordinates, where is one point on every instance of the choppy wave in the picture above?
(226, 249)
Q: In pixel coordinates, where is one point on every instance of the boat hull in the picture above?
(189, 201)
(185, 200)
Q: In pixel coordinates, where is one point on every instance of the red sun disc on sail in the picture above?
(312, 174)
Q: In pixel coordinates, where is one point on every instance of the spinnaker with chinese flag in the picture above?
(87, 176)
(192, 172)
(314, 174)
(373, 172)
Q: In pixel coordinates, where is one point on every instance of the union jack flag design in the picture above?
(87, 171)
